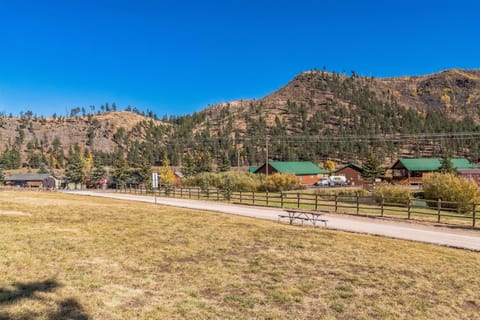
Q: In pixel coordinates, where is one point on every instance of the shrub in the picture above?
(233, 181)
(391, 194)
(450, 188)
(347, 192)
(281, 182)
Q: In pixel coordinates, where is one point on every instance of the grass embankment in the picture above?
(64, 256)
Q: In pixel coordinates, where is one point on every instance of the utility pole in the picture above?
(238, 153)
(266, 156)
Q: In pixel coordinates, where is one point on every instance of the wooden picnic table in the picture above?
(303, 215)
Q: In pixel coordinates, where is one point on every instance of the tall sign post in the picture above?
(155, 184)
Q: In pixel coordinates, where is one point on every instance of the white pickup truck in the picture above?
(332, 181)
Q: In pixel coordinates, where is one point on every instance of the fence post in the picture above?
(473, 214)
(409, 208)
(190, 193)
(181, 193)
(240, 196)
(298, 199)
(267, 198)
(198, 193)
(253, 197)
(218, 195)
(358, 203)
(381, 206)
(336, 202)
(439, 206)
(316, 201)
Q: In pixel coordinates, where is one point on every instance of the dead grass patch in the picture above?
(110, 259)
(14, 213)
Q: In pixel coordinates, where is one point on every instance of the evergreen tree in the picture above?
(188, 168)
(205, 163)
(121, 172)
(372, 168)
(43, 168)
(98, 171)
(10, 159)
(145, 173)
(74, 170)
(224, 164)
(446, 165)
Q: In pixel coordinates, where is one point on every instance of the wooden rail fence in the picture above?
(452, 213)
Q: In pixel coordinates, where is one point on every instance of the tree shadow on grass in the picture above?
(68, 309)
(26, 290)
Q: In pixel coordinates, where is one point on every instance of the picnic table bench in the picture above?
(303, 215)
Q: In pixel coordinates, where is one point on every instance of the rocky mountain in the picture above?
(38, 138)
(455, 93)
(318, 115)
(321, 115)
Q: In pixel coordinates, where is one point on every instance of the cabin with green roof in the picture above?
(412, 171)
(307, 172)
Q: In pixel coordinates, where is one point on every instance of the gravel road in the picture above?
(450, 237)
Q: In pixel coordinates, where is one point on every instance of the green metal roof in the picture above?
(252, 169)
(296, 167)
(431, 164)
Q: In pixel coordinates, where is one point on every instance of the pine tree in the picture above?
(446, 165)
(145, 172)
(205, 163)
(224, 163)
(43, 168)
(188, 168)
(74, 171)
(2, 176)
(121, 172)
(372, 168)
(98, 171)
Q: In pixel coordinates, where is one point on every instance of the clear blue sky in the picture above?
(176, 57)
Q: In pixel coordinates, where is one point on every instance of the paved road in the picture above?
(464, 239)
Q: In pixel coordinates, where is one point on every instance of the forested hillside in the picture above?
(321, 115)
(317, 116)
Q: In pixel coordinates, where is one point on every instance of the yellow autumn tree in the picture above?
(166, 175)
(281, 182)
(87, 164)
(329, 165)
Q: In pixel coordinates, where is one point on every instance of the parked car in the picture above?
(324, 182)
(332, 181)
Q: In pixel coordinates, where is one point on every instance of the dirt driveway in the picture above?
(456, 238)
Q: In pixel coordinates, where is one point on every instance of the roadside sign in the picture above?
(154, 180)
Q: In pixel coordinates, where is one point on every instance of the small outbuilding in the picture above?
(32, 180)
(307, 172)
(353, 174)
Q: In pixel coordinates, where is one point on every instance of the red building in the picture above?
(470, 174)
(353, 173)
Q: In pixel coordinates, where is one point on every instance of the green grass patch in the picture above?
(73, 257)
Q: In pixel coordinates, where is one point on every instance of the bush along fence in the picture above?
(452, 213)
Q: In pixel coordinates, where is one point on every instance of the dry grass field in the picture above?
(72, 257)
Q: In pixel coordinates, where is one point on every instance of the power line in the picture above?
(339, 138)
